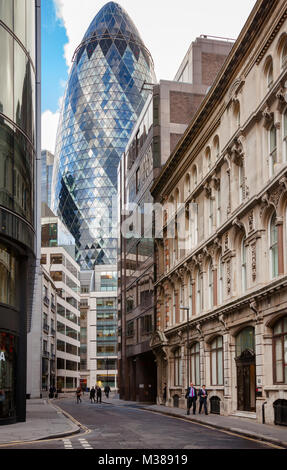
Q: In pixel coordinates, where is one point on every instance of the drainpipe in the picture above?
(263, 412)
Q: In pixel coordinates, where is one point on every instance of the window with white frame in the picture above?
(195, 364)
(216, 354)
(272, 150)
(243, 265)
(177, 368)
(273, 237)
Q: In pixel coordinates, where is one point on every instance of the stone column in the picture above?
(259, 358)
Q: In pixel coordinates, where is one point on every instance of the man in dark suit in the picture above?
(191, 396)
(203, 399)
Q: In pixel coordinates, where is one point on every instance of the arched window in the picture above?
(216, 147)
(220, 282)
(280, 351)
(269, 73)
(195, 364)
(216, 358)
(187, 185)
(273, 237)
(210, 285)
(177, 368)
(245, 340)
(272, 150)
(198, 293)
(284, 132)
(243, 265)
(284, 56)
(194, 176)
(208, 158)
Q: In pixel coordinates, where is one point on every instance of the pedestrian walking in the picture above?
(78, 395)
(99, 394)
(164, 393)
(203, 399)
(107, 390)
(191, 396)
(92, 395)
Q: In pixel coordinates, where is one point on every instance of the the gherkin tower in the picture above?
(103, 100)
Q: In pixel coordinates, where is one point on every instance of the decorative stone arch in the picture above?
(282, 42)
(194, 176)
(268, 69)
(187, 185)
(216, 145)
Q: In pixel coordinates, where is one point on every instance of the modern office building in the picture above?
(105, 94)
(221, 295)
(99, 327)
(49, 333)
(47, 159)
(58, 259)
(19, 156)
(161, 124)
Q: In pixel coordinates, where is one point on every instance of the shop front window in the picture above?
(280, 351)
(7, 376)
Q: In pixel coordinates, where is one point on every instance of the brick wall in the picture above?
(174, 138)
(211, 64)
(183, 106)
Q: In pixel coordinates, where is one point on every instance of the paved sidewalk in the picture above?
(244, 426)
(44, 420)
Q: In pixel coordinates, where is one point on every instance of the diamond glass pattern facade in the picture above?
(103, 100)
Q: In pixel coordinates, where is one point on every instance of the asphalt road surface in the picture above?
(108, 426)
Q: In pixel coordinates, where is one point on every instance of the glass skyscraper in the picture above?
(103, 99)
(19, 142)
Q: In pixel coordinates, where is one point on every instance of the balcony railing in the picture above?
(46, 301)
(46, 354)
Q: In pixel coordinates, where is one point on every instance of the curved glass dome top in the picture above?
(103, 100)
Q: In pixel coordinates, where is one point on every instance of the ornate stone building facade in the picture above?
(221, 268)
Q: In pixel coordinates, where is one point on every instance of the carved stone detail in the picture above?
(253, 261)
(251, 221)
(268, 117)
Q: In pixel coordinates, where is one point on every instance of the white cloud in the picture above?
(166, 27)
(49, 130)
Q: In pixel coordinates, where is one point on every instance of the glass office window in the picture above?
(6, 73)
(6, 13)
(7, 277)
(20, 20)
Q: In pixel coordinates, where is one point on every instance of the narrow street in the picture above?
(124, 426)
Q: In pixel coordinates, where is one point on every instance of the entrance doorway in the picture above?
(246, 381)
(246, 369)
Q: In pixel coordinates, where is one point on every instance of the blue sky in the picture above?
(54, 67)
(64, 23)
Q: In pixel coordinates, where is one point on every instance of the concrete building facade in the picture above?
(221, 286)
